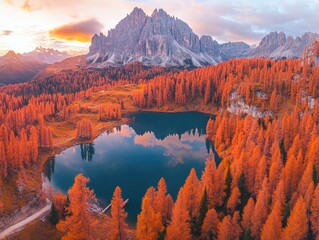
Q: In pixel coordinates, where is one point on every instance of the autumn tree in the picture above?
(314, 217)
(163, 202)
(192, 198)
(79, 223)
(260, 213)
(247, 214)
(118, 226)
(210, 225)
(297, 226)
(229, 228)
(109, 112)
(179, 227)
(149, 221)
(84, 129)
(272, 228)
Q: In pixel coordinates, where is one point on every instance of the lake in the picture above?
(135, 156)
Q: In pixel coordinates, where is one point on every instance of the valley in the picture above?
(150, 131)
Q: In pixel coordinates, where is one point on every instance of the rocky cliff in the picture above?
(164, 40)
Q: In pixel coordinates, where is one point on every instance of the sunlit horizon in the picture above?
(69, 25)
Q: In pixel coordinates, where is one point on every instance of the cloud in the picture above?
(5, 32)
(248, 20)
(26, 6)
(78, 31)
(179, 149)
(8, 2)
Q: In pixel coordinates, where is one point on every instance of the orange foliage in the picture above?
(149, 221)
(118, 226)
(314, 217)
(79, 222)
(179, 228)
(297, 223)
(85, 130)
(272, 228)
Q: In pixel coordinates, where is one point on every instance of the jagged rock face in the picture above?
(234, 50)
(209, 46)
(269, 44)
(46, 55)
(276, 45)
(158, 39)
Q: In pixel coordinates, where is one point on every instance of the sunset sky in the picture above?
(69, 25)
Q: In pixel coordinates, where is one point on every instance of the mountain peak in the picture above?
(11, 54)
(161, 39)
(158, 39)
(45, 55)
(159, 13)
(137, 12)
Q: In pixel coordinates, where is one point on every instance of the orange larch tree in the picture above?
(79, 224)
(272, 228)
(297, 226)
(210, 225)
(84, 129)
(179, 227)
(149, 221)
(118, 226)
(314, 217)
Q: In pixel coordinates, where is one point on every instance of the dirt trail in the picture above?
(24, 222)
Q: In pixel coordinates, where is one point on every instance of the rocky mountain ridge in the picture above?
(15, 68)
(160, 39)
(46, 55)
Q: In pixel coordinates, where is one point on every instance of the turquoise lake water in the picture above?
(135, 156)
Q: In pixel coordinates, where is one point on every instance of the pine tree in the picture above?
(192, 197)
(272, 228)
(79, 224)
(229, 228)
(149, 221)
(202, 213)
(234, 200)
(118, 226)
(297, 226)
(260, 211)
(247, 214)
(209, 181)
(244, 193)
(54, 215)
(179, 227)
(161, 202)
(228, 183)
(314, 209)
(210, 225)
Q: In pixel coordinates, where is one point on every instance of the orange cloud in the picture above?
(8, 2)
(78, 31)
(26, 6)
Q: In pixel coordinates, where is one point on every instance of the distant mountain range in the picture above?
(158, 39)
(164, 40)
(16, 68)
(46, 55)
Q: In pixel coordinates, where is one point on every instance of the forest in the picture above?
(266, 186)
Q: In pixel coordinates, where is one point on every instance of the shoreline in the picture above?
(58, 147)
(73, 141)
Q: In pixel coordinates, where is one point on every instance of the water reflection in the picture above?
(49, 167)
(165, 124)
(87, 151)
(178, 147)
(136, 156)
